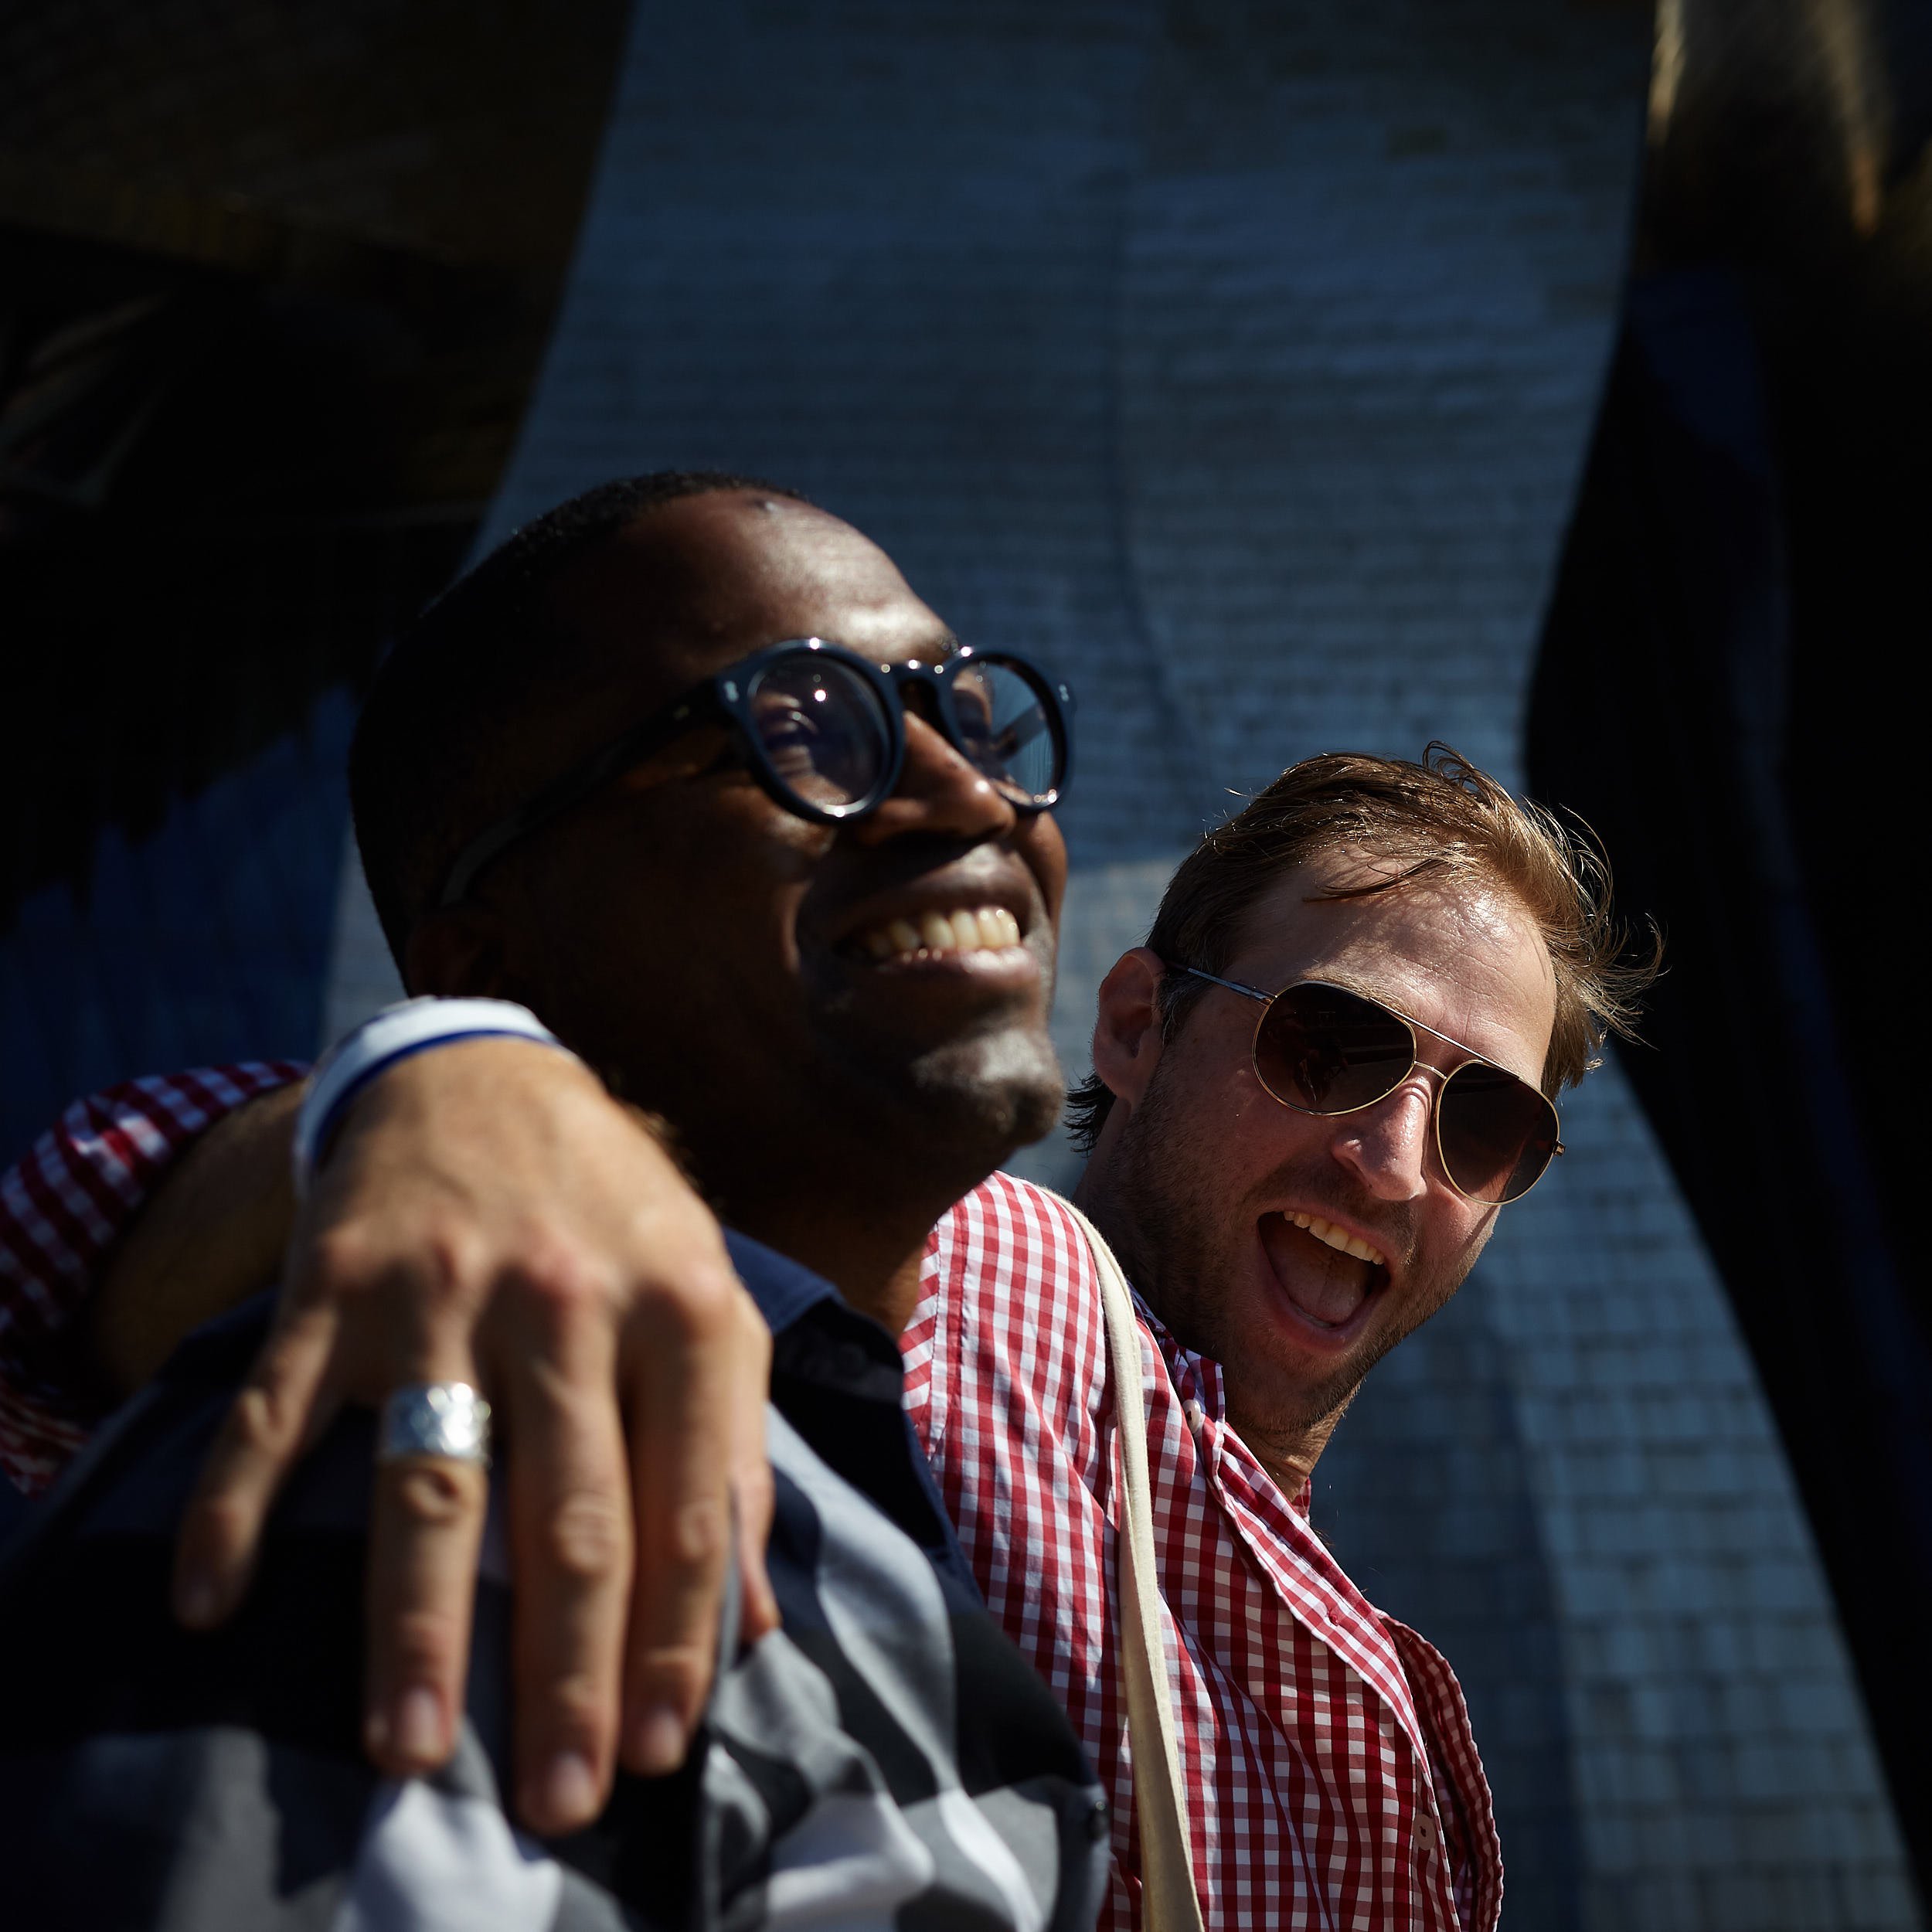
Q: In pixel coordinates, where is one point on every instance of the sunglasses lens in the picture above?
(1326, 1051)
(822, 730)
(1007, 729)
(1498, 1133)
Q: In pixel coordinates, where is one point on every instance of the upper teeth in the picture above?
(990, 928)
(1337, 1237)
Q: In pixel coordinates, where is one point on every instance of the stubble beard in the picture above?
(991, 1096)
(1175, 1250)
(942, 1116)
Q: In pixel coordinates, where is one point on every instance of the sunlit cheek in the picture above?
(1465, 1239)
(1238, 1095)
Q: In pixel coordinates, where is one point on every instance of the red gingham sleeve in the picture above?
(62, 1206)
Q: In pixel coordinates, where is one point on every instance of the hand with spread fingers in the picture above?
(493, 1241)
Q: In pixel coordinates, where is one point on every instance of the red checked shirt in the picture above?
(1332, 1781)
(1331, 1778)
(62, 1207)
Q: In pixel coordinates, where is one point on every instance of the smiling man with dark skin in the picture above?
(839, 1105)
(887, 1755)
(844, 1039)
(836, 1062)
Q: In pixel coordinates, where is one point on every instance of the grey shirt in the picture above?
(886, 1758)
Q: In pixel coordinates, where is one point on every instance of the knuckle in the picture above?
(341, 1262)
(677, 1674)
(558, 1286)
(576, 1707)
(431, 1493)
(422, 1644)
(439, 1258)
(448, 1261)
(695, 1305)
(219, 1521)
(587, 1537)
(261, 1421)
(756, 1493)
(698, 1529)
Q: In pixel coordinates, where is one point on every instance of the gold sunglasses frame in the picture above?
(1417, 1064)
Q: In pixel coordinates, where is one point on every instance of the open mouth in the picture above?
(939, 935)
(1326, 1275)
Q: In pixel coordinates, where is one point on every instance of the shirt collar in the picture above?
(783, 1289)
(1201, 1382)
(804, 1313)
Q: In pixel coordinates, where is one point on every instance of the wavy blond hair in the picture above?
(1443, 815)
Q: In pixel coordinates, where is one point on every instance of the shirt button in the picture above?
(1097, 1821)
(1427, 1836)
(1195, 1414)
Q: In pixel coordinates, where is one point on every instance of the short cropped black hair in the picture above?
(461, 680)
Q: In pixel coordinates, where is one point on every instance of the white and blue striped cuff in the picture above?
(411, 1026)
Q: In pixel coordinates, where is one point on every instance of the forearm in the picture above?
(211, 1236)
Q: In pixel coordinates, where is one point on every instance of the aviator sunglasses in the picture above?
(823, 730)
(1322, 1049)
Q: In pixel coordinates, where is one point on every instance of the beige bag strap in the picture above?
(1168, 1902)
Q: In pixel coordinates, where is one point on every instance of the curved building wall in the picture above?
(1241, 364)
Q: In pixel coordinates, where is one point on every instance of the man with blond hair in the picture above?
(1314, 1089)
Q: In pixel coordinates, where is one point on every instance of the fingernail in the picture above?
(570, 1789)
(197, 1601)
(657, 1741)
(416, 1726)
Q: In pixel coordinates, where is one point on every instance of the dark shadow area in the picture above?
(274, 282)
(1721, 694)
(202, 526)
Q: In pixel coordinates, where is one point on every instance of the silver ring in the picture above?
(445, 1419)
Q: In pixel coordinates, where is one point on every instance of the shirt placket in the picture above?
(1333, 1625)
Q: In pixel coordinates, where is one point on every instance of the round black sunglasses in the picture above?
(823, 730)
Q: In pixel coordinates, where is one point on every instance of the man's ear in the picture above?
(1126, 1034)
(457, 950)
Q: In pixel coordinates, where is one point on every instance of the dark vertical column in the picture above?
(1662, 713)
